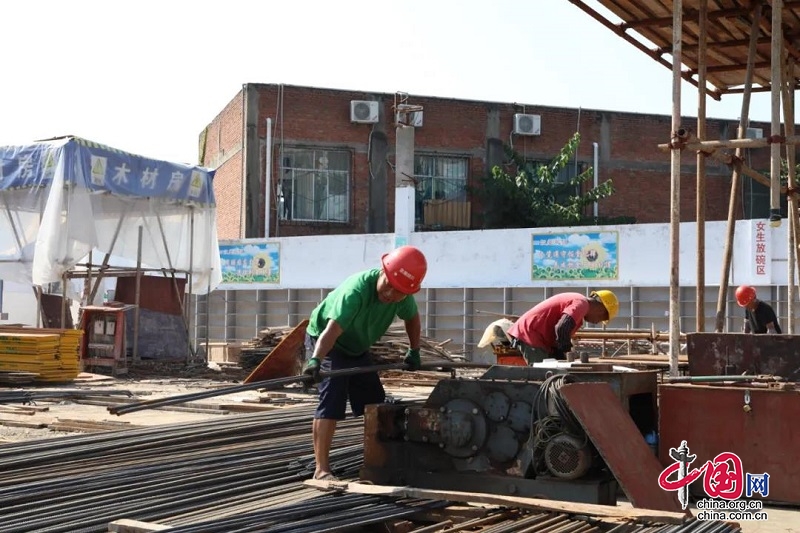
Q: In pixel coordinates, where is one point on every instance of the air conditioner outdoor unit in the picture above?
(364, 111)
(527, 124)
(754, 133)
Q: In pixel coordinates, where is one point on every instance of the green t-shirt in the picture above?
(355, 306)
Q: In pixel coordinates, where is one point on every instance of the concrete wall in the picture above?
(502, 258)
(315, 117)
(474, 275)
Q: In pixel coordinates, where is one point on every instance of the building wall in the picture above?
(221, 145)
(315, 117)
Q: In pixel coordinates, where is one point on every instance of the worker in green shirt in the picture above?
(344, 326)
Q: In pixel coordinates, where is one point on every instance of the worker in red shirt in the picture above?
(759, 316)
(546, 330)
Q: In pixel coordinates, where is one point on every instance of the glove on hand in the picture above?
(311, 369)
(412, 359)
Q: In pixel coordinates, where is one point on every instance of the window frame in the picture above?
(433, 178)
(286, 166)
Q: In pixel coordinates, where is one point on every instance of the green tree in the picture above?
(533, 197)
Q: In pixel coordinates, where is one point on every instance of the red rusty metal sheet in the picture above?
(712, 419)
(281, 361)
(720, 354)
(619, 442)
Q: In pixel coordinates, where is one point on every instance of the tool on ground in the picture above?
(278, 383)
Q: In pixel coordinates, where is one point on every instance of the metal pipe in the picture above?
(267, 177)
(701, 379)
(600, 335)
(279, 383)
(596, 175)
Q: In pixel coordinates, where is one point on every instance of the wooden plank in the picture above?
(11, 410)
(618, 440)
(604, 511)
(23, 424)
(280, 362)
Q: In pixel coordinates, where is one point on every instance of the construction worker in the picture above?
(341, 330)
(546, 330)
(759, 317)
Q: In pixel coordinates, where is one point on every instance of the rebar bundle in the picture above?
(28, 396)
(177, 474)
(237, 474)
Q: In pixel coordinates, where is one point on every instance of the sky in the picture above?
(147, 76)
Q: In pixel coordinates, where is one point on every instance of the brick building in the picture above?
(332, 160)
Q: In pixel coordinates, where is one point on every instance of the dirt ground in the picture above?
(142, 385)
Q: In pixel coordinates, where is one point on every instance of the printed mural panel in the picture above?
(575, 255)
(760, 260)
(251, 262)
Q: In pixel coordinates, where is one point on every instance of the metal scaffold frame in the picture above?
(741, 48)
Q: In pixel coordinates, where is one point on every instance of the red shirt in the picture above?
(537, 327)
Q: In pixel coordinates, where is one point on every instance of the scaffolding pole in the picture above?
(675, 192)
(791, 183)
(137, 296)
(775, 134)
(700, 308)
(736, 181)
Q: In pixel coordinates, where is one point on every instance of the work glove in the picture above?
(412, 359)
(311, 369)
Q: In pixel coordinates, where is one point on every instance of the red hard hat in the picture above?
(405, 268)
(744, 295)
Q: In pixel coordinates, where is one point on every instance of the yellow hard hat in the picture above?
(609, 300)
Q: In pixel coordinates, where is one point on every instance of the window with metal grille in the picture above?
(314, 185)
(567, 173)
(440, 178)
(756, 200)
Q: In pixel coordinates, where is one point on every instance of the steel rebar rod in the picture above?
(278, 383)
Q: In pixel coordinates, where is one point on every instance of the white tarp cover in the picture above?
(61, 199)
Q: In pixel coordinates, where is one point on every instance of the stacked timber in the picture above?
(52, 355)
(254, 351)
(391, 348)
